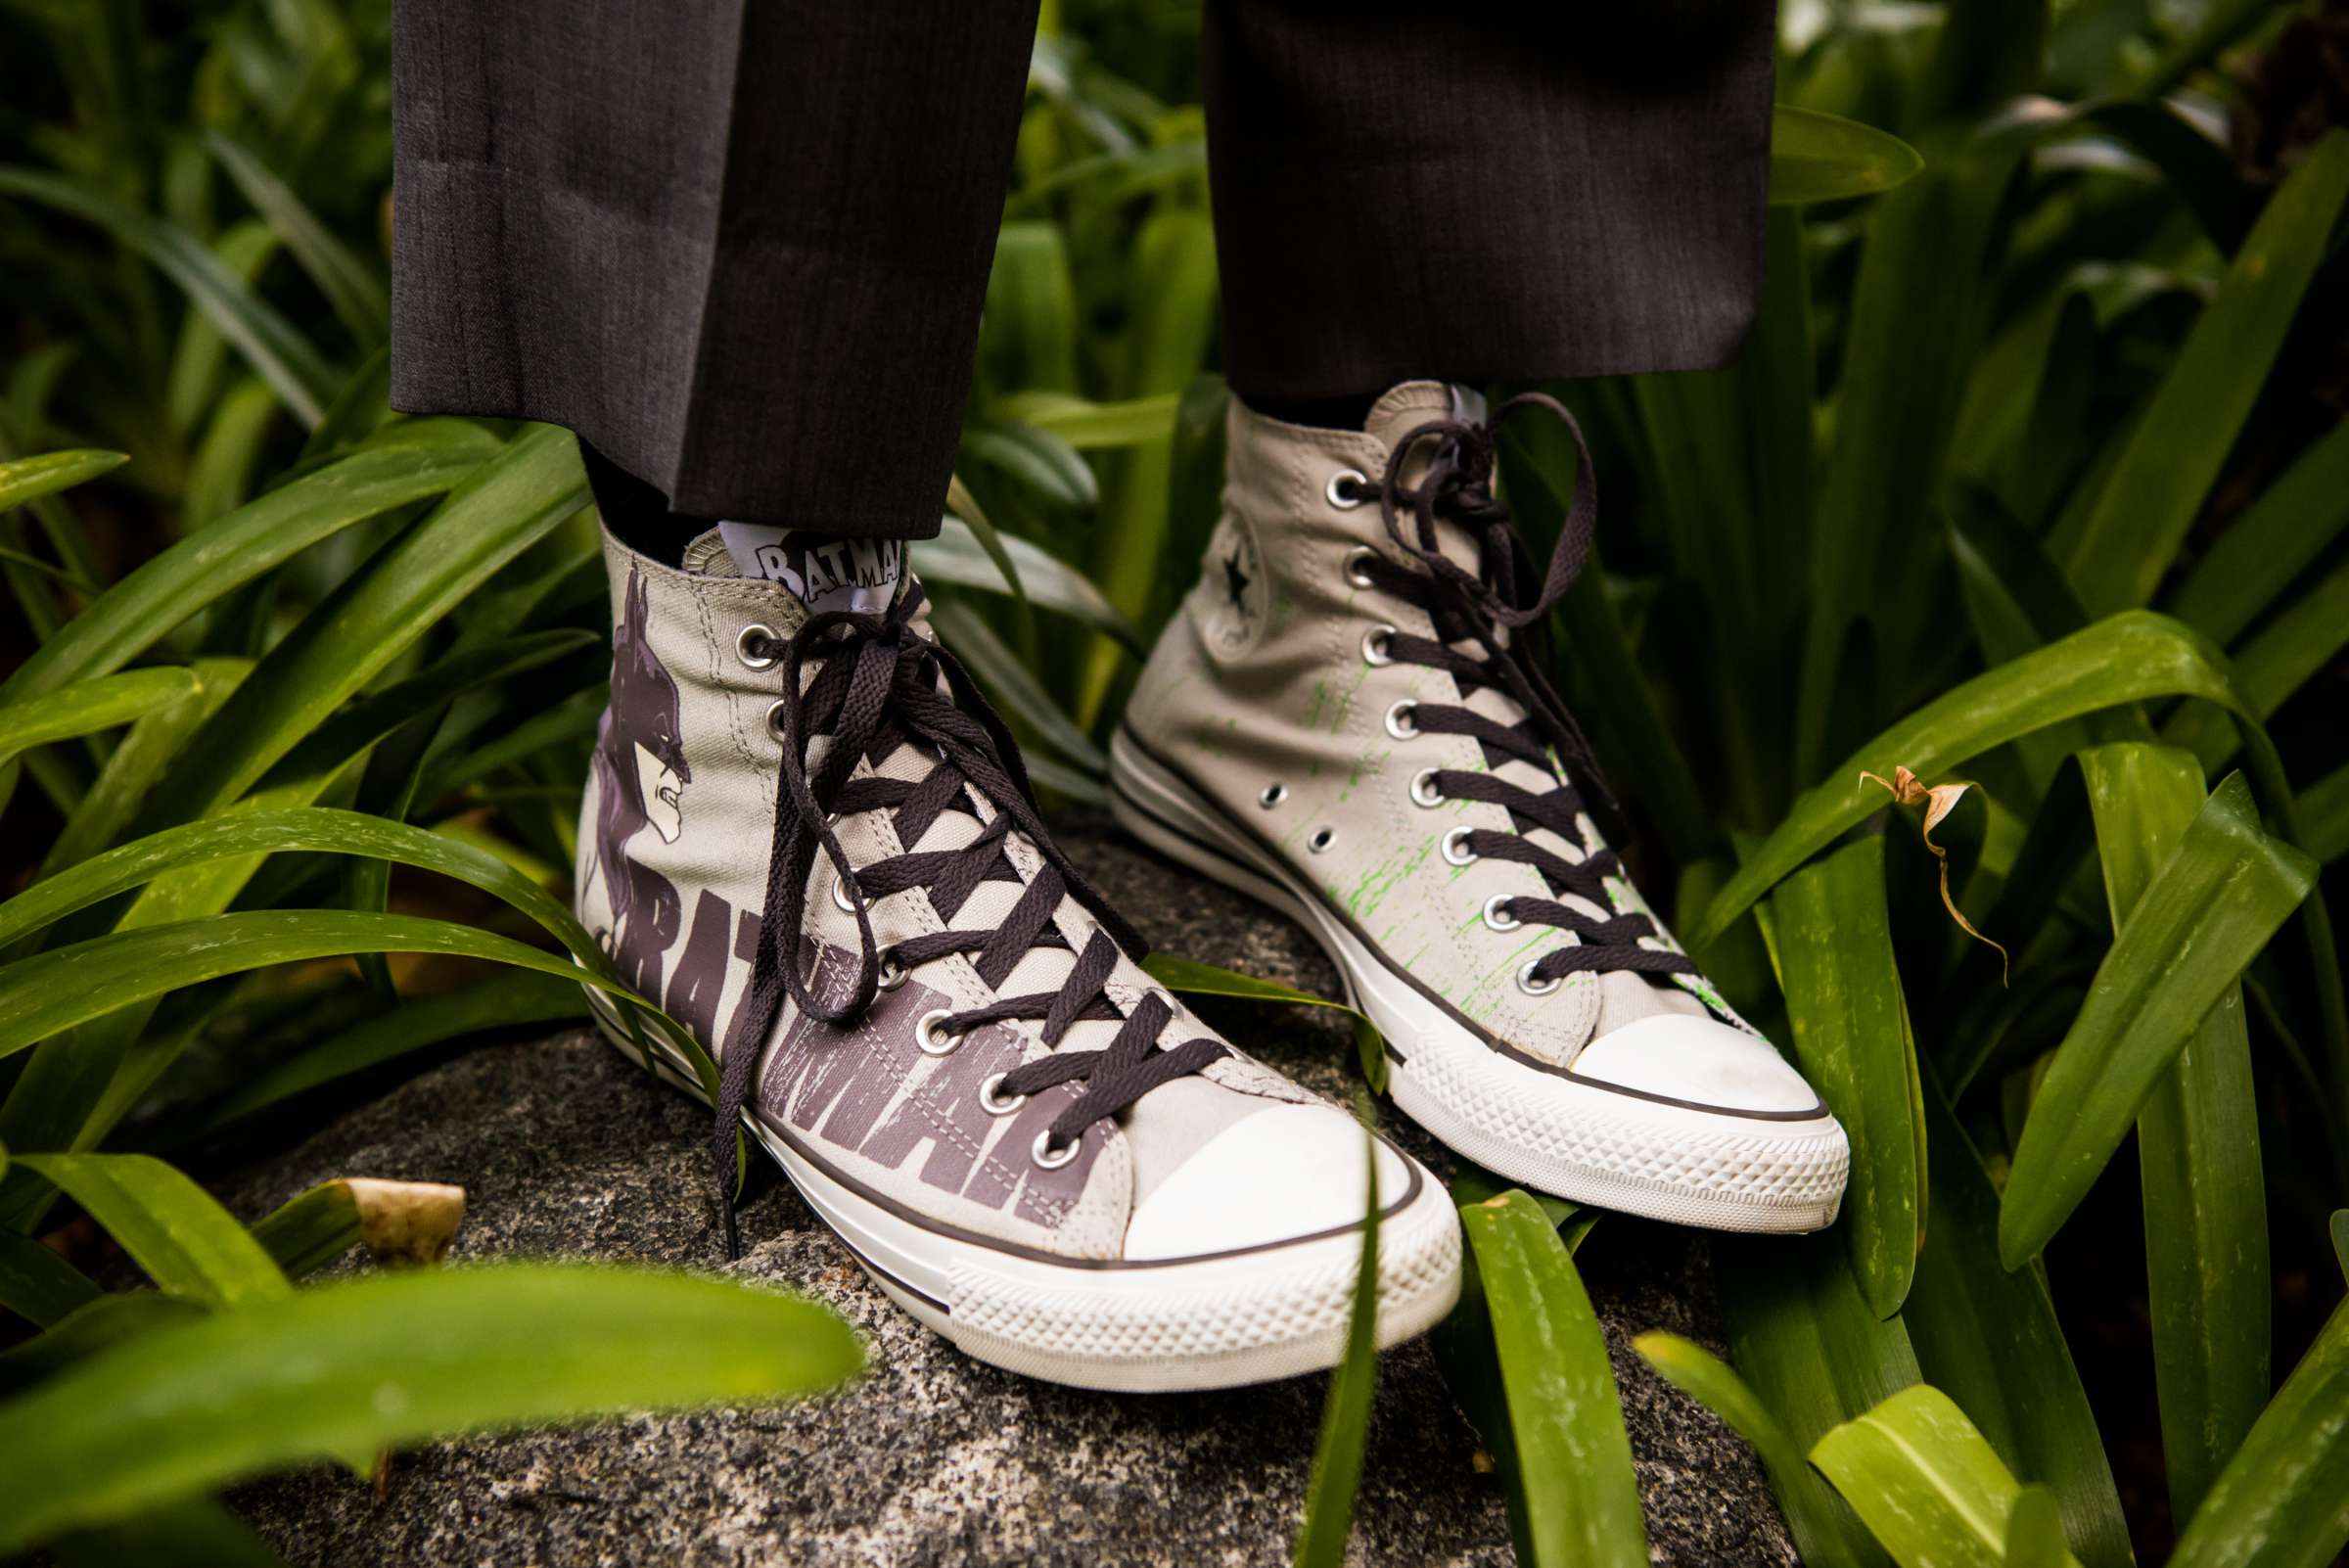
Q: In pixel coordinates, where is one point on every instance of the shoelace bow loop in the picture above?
(873, 691)
(1478, 607)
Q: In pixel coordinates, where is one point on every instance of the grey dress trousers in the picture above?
(740, 246)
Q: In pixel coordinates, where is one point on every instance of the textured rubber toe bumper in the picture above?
(1248, 1315)
(1722, 1168)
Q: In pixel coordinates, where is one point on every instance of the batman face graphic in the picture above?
(641, 774)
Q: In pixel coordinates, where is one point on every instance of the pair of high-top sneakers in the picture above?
(810, 841)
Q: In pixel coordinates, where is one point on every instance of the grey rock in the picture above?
(567, 1150)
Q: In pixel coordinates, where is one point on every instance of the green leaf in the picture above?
(1346, 1409)
(28, 478)
(1914, 329)
(188, 1244)
(2123, 658)
(283, 356)
(495, 513)
(2153, 496)
(955, 556)
(405, 463)
(1089, 427)
(353, 287)
(2035, 1531)
(968, 636)
(1852, 1041)
(2207, 914)
(1802, 1334)
(1565, 1420)
(2291, 648)
(1812, 1513)
(2264, 551)
(38, 1285)
(2205, 1201)
(99, 1324)
(1185, 974)
(392, 1358)
(196, 1532)
(2282, 1501)
(88, 707)
(1927, 1484)
(55, 991)
(502, 1001)
(1991, 1341)
(2340, 1240)
(220, 476)
(1820, 157)
(239, 834)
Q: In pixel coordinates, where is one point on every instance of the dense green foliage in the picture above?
(2032, 475)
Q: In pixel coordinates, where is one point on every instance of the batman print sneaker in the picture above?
(809, 840)
(1341, 722)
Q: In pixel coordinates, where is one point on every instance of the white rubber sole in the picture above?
(1679, 1163)
(1245, 1316)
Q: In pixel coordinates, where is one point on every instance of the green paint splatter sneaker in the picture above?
(1339, 723)
(809, 841)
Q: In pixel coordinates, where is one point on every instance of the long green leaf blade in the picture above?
(28, 478)
(2208, 913)
(405, 463)
(2153, 498)
(1345, 1410)
(355, 1367)
(1851, 1038)
(1565, 1420)
(1990, 1340)
(2205, 1199)
(51, 992)
(89, 706)
(2282, 1501)
(2123, 658)
(1821, 157)
(1928, 1486)
(188, 1244)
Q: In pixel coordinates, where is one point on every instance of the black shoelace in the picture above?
(1478, 607)
(876, 690)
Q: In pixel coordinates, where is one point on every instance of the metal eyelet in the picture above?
(747, 639)
(840, 896)
(1344, 489)
(1400, 722)
(775, 721)
(1374, 646)
(1357, 567)
(1047, 1158)
(892, 974)
(1322, 839)
(1455, 846)
(1532, 986)
(992, 1103)
(1495, 917)
(1272, 795)
(931, 1040)
(1424, 791)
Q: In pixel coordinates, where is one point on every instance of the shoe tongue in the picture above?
(1413, 403)
(824, 571)
(1402, 410)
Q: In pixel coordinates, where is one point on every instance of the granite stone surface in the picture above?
(566, 1150)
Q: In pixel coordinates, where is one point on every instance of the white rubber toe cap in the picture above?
(1698, 1062)
(1284, 1172)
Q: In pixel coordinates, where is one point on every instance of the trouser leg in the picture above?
(1483, 192)
(739, 245)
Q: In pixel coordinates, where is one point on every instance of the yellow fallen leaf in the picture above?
(1939, 801)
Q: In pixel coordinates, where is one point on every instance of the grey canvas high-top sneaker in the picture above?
(1338, 722)
(923, 1015)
